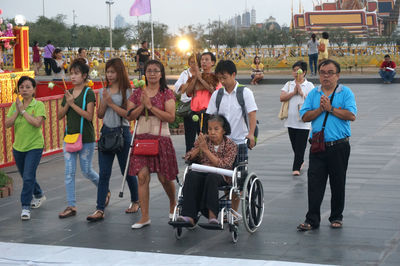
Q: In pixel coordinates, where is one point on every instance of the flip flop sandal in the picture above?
(131, 208)
(305, 227)
(337, 224)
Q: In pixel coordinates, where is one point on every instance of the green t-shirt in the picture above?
(26, 136)
(74, 119)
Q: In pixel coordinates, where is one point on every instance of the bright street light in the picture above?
(183, 45)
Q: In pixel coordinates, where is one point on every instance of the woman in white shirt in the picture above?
(180, 88)
(295, 92)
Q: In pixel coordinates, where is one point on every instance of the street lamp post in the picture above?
(109, 3)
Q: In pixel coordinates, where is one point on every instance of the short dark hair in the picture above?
(329, 61)
(301, 64)
(23, 78)
(35, 42)
(48, 42)
(325, 35)
(143, 42)
(224, 123)
(213, 58)
(387, 56)
(80, 65)
(225, 66)
(81, 49)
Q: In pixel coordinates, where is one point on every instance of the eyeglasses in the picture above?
(153, 71)
(329, 73)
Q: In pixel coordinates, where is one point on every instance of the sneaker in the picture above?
(37, 202)
(25, 214)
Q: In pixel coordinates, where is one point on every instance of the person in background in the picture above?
(27, 117)
(153, 107)
(112, 109)
(324, 41)
(71, 107)
(36, 58)
(295, 92)
(312, 46)
(180, 88)
(47, 57)
(82, 53)
(257, 71)
(58, 64)
(142, 56)
(387, 70)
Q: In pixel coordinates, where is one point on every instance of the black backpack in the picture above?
(240, 99)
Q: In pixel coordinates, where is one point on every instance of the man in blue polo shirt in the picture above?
(334, 160)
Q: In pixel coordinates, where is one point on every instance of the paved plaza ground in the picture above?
(370, 236)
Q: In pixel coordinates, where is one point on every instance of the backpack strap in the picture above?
(218, 100)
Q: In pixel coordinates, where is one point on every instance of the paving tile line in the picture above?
(62, 255)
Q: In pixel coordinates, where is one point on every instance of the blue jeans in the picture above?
(387, 76)
(313, 60)
(106, 160)
(27, 163)
(85, 161)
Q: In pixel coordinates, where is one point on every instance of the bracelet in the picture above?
(331, 111)
(23, 112)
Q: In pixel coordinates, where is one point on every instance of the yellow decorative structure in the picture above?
(8, 85)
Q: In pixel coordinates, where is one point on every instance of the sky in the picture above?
(174, 13)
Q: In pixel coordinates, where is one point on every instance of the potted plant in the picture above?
(5, 185)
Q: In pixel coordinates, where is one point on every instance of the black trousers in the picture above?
(298, 139)
(333, 163)
(190, 132)
(200, 193)
(47, 66)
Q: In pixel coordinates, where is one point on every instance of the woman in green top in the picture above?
(71, 107)
(27, 118)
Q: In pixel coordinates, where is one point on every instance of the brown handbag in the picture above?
(318, 138)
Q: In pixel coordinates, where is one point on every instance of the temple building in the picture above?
(362, 17)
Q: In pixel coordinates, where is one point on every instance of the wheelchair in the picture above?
(247, 187)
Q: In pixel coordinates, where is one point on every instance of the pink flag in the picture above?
(140, 7)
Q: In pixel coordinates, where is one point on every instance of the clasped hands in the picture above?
(325, 103)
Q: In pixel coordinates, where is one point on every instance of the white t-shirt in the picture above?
(295, 103)
(183, 78)
(230, 108)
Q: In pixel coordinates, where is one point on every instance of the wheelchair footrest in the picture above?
(180, 224)
(210, 226)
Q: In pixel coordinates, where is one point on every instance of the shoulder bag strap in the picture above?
(83, 108)
(327, 113)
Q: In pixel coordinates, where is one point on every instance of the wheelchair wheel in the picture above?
(234, 233)
(252, 203)
(178, 232)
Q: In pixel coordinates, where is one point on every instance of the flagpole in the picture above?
(152, 33)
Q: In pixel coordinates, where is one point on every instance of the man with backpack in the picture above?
(236, 102)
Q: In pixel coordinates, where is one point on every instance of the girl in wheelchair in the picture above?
(200, 191)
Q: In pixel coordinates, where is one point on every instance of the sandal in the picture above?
(213, 221)
(69, 211)
(96, 216)
(336, 224)
(133, 207)
(305, 227)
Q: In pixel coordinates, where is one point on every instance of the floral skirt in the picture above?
(164, 163)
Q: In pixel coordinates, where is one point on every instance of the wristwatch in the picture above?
(331, 111)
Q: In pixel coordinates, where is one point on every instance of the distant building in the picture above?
(246, 19)
(119, 22)
(253, 17)
(271, 24)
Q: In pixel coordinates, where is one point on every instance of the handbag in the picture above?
(147, 147)
(318, 138)
(283, 112)
(112, 142)
(73, 142)
(183, 109)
